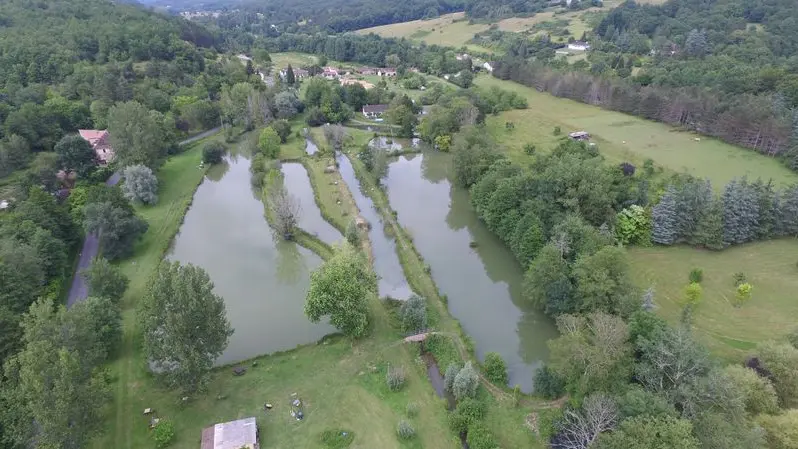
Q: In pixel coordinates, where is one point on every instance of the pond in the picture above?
(263, 281)
(392, 282)
(297, 182)
(310, 147)
(483, 284)
(395, 144)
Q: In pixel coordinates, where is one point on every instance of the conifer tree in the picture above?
(663, 218)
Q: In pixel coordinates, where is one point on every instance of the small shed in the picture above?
(240, 434)
(579, 135)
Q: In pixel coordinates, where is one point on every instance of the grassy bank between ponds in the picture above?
(341, 383)
(507, 421)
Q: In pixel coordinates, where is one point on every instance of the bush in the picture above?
(548, 384)
(163, 434)
(466, 382)
(529, 149)
(353, 234)
(405, 431)
(283, 129)
(495, 368)
(743, 293)
(213, 152)
(336, 439)
(479, 437)
(315, 117)
(395, 378)
(557, 131)
(468, 412)
(739, 278)
(411, 409)
(414, 314)
(696, 275)
(141, 185)
(449, 375)
(693, 293)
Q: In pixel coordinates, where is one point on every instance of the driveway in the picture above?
(78, 291)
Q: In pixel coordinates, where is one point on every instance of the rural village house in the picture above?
(373, 111)
(367, 71)
(240, 434)
(100, 141)
(386, 72)
(579, 45)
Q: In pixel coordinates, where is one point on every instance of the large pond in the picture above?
(263, 281)
(296, 180)
(483, 284)
(392, 282)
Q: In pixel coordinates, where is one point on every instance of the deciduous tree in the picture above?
(339, 289)
(184, 324)
(75, 154)
(140, 184)
(105, 280)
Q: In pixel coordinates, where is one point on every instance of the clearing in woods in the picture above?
(727, 329)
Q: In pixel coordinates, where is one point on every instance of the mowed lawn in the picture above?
(622, 138)
(727, 330)
(342, 384)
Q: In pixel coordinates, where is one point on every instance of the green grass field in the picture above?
(728, 330)
(622, 137)
(281, 60)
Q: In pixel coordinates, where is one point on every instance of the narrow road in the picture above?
(91, 245)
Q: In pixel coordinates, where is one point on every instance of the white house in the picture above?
(330, 73)
(489, 66)
(579, 45)
(386, 72)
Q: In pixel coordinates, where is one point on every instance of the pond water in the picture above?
(483, 284)
(310, 147)
(395, 144)
(392, 280)
(296, 180)
(263, 282)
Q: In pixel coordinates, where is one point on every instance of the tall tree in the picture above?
(75, 154)
(290, 78)
(340, 289)
(663, 218)
(649, 433)
(137, 135)
(184, 324)
(118, 228)
(140, 184)
(105, 280)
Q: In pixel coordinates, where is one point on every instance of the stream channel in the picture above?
(262, 280)
(483, 284)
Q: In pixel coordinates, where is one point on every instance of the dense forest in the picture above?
(274, 16)
(500, 9)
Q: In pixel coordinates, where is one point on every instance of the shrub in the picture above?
(743, 293)
(696, 275)
(633, 226)
(529, 149)
(693, 293)
(468, 412)
(411, 409)
(479, 437)
(457, 422)
(449, 375)
(336, 438)
(414, 314)
(549, 423)
(405, 431)
(163, 434)
(283, 129)
(739, 278)
(495, 368)
(141, 185)
(548, 384)
(466, 382)
(557, 131)
(395, 378)
(212, 152)
(353, 234)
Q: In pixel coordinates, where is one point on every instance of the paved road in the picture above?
(91, 245)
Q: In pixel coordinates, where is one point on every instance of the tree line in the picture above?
(632, 380)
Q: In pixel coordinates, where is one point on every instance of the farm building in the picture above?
(579, 135)
(367, 71)
(100, 141)
(386, 72)
(240, 434)
(579, 45)
(374, 110)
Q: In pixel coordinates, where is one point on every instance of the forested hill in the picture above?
(500, 9)
(258, 16)
(42, 41)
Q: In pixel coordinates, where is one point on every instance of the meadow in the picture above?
(727, 329)
(626, 138)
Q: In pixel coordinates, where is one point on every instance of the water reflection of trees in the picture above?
(291, 263)
(216, 172)
(436, 166)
